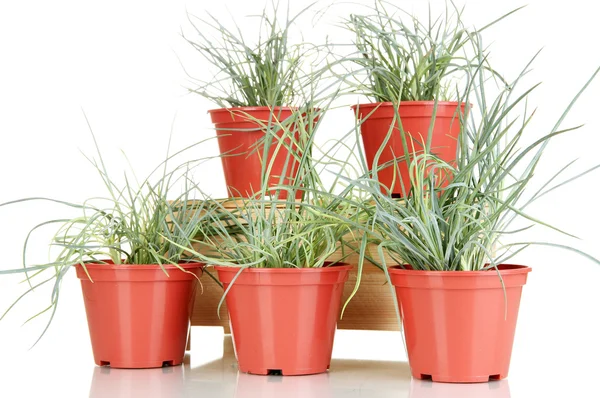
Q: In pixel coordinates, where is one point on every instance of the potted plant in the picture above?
(414, 76)
(138, 282)
(256, 86)
(458, 293)
(274, 260)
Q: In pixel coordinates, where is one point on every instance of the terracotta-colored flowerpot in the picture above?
(415, 118)
(137, 315)
(459, 326)
(283, 320)
(238, 132)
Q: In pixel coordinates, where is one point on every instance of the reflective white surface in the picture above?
(210, 370)
(119, 61)
(220, 378)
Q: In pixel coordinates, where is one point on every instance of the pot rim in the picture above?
(252, 109)
(407, 103)
(503, 269)
(332, 268)
(111, 266)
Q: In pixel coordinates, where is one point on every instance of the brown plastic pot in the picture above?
(283, 320)
(238, 131)
(137, 315)
(459, 325)
(415, 118)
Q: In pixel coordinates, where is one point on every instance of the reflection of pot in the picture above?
(148, 383)
(427, 389)
(253, 386)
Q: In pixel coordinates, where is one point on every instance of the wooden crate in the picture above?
(372, 308)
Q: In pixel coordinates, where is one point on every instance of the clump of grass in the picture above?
(251, 71)
(457, 217)
(136, 223)
(405, 59)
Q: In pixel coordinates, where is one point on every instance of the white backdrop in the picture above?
(120, 63)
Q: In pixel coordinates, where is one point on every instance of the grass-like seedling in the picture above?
(137, 223)
(405, 59)
(457, 217)
(264, 69)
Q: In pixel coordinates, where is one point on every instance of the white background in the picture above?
(120, 62)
